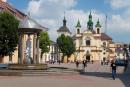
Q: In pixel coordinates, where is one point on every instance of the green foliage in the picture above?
(44, 42)
(66, 45)
(8, 34)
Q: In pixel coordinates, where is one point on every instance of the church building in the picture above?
(92, 44)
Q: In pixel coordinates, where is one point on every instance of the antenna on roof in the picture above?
(64, 14)
(106, 23)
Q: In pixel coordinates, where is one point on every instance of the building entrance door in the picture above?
(88, 58)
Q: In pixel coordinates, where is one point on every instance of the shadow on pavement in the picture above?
(124, 77)
(97, 74)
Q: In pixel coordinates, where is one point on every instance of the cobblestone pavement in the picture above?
(95, 75)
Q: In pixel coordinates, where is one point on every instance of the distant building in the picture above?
(5, 7)
(64, 29)
(53, 55)
(91, 44)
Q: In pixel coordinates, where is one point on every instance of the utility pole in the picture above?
(106, 23)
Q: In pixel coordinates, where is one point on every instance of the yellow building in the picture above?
(29, 30)
(92, 44)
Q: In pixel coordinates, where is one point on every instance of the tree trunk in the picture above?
(10, 57)
(67, 59)
(1, 59)
(41, 56)
(62, 58)
(45, 58)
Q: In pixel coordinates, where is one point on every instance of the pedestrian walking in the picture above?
(77, 63)
(59, 62)
(84, 64)
(101, 62)
(113, 69)
(92, 61)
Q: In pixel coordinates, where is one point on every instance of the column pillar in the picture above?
(20, 49)
(34, 48)
(37, 59)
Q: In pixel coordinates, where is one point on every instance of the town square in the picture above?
(64, 43)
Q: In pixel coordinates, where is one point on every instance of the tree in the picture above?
(66, 45)
(8, 34)
(44, 42)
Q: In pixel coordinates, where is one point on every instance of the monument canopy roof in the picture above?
(30, 25)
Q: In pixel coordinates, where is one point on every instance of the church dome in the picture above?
(64, 29)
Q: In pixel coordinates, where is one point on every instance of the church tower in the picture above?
(78, 28)
(90, 23)
(64, 29)
(98, 27)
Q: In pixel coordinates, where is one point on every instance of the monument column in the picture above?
(37, 59)
(34, 48)
(20, 49)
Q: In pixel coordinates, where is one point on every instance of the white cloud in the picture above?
(127, 12)
(116, 4)
(118, 22)
(50, 13)
(49, 8)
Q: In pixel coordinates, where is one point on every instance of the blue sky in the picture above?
(49, 13)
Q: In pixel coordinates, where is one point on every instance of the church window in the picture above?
(78, 31)
(88, 42)
(98, 30)
(104, 44)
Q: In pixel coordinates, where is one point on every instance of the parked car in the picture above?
(120, 62)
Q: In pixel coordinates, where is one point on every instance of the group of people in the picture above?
(84, 64)
(113, 67)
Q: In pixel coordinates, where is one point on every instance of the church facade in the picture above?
(92, 44)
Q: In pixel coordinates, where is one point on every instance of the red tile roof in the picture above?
(8, 8)
(105, 37)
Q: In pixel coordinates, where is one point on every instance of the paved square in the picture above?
(95, 75)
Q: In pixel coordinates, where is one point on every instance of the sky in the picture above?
(50, 13)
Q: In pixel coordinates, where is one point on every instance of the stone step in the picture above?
(46, 74)
(36, 72)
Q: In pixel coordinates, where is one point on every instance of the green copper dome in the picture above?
(90, 16)
(98, 24)
(90, 22)
(78, 24)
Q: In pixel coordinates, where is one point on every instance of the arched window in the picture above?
(104, 44)
(98, 31)
(88, 42)
(78, 31)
